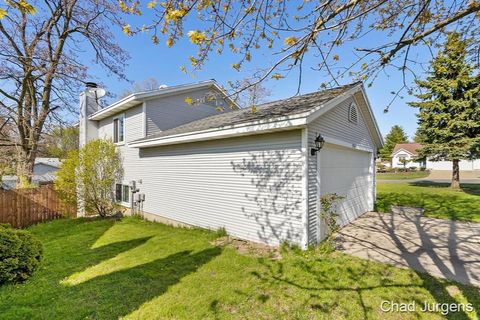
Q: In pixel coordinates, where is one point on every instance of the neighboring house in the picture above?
(44, 171)
(409, 151)
(252, 173)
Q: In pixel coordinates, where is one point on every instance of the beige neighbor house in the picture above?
(409, 152)
(257, 174)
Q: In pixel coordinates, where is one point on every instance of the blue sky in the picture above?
(158, 61)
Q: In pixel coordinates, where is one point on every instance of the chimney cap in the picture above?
(91, 85)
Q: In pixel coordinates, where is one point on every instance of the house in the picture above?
(409, 151)
(44, 170)
(257, 174)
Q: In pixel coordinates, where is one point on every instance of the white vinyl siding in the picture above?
(251, 185)
(333, 124)
(349, 174)
(168, 112)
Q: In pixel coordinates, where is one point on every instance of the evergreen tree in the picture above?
(419, 137)
(449, 111)
(396, 135)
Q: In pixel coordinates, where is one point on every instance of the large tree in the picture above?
(396, 135)
(449, 110)
(7, 160)
(43, 44)
(338, 38)
(59, 142)
(145, 85)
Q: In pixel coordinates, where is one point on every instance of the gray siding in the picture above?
(171, 111)
(333, 124)
(250, 185)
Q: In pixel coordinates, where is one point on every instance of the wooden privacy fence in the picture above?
(24, 207)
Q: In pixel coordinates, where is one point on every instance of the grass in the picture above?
(133, 269)
(437, 199)
(402, 175)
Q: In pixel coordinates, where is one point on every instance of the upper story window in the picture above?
(352, 113)
(119, 129)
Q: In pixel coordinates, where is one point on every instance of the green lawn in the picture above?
(402, 175)
(437, 199)
(133, 269)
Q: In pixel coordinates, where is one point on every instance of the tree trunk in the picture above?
(455, 175)
(25, 163)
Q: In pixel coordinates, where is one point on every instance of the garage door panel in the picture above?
(348, 173)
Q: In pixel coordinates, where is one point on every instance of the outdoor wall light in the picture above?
(319, 142)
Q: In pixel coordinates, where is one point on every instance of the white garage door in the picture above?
(348, 173)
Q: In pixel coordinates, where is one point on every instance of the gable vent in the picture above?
(352, 114)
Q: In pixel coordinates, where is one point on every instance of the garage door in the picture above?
(348, 173)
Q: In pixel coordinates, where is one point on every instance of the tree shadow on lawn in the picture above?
(470, 188)
(366, 286)
(125, 291)
(441, 205)
(107, 296)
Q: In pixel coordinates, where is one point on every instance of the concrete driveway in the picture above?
(442, 248)
(446, 176)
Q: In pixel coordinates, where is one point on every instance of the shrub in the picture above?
(221, 232)
(91, 173)
(328, 212)
(20, 254)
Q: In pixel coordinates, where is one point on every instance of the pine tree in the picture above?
(418, 137)
(396, 135)
(449, 110)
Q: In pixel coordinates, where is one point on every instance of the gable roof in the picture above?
(411, 148)
(139, 97)
(277, 115)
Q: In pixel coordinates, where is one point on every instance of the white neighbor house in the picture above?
(250, 172)
(406, 151)
(409, 152)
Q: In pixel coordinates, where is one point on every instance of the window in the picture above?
(122, 193)
(126, 194)
(118, 192)
(118, 129)
(352, 114)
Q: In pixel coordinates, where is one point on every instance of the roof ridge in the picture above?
(352, 84)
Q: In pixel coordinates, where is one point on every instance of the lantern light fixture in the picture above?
(319, 142)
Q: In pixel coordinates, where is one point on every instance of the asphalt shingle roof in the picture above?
(271, 110)
(410, 147)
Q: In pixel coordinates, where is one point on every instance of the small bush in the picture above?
(221, 232)
(20, 254)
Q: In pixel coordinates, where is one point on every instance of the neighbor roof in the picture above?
(412, 148)
(53, 162)
(297, 105)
